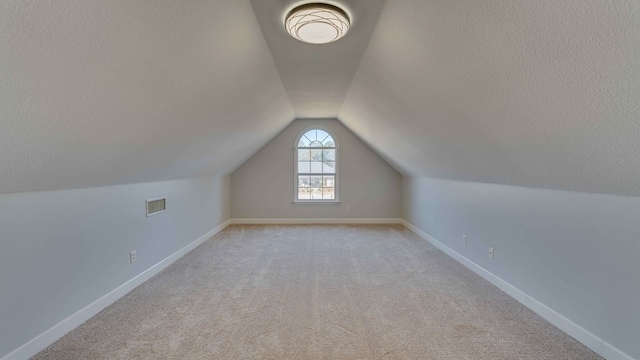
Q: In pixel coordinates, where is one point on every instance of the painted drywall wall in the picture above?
(577, 253)
(263, 186)
(62, 250)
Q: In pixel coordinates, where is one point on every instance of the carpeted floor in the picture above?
(316, 292)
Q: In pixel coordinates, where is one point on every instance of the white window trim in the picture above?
(336, 200)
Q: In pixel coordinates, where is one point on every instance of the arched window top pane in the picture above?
(304, 142)
(321, 135)
(316, 138)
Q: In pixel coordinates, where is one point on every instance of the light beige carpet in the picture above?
(316, 292)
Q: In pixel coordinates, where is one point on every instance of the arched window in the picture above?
(316, 167)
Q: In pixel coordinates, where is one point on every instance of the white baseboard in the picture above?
(52, 335)
(290, 221)
(579, 333)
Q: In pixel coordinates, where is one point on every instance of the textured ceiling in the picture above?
(539, 93)
(534, 93)
(317, 77)
(108, 92)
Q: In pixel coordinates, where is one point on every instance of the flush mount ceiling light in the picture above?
(317, 23)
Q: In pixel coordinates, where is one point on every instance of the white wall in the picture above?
(263, 186)
(63, 250)
(577, 253)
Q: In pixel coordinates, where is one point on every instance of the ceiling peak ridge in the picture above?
(317, 78)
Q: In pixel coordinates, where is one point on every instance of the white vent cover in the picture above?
(156, 206)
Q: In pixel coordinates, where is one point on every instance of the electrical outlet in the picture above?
(132, 256)
(464, 239)
(491, 252)
(346, 208)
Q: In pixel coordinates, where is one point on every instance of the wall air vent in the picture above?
(156, 206)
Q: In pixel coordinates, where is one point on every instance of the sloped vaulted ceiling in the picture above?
(108, 92)
(534, 93)
(541, 93)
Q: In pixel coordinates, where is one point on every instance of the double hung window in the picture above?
(316, 167)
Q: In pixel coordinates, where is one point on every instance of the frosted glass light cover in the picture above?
(317, 23)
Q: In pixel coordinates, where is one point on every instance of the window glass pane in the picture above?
(304, 142)
(328, 155)
(316, 193)
(316, 154)
(316, 181)
(328, 194)
(329, 167)
(316, 167)
(316, 143)
(328, 142)
(304, 193)
(304, 155)
(304, 167)
(311, 135)
(303, 181)
(328, 181)
(321, 135)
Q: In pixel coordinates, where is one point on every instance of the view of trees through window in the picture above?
(316, 166)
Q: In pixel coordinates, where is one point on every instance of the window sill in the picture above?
(316, 202)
